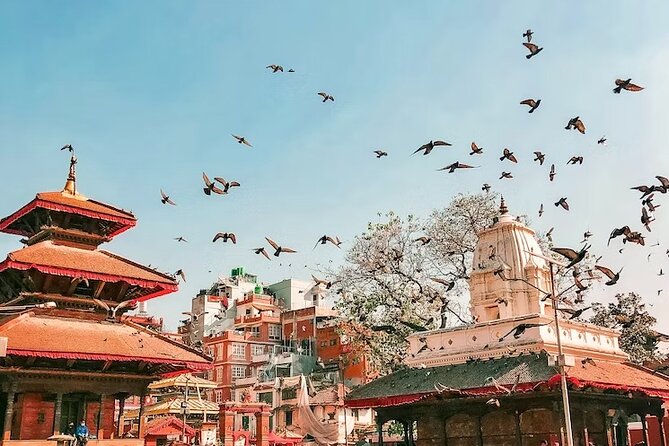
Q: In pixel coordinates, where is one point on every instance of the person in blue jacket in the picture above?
(81, 433)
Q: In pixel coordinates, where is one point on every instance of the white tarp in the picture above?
(323, 433)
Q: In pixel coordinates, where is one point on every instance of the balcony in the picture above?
(255, 318)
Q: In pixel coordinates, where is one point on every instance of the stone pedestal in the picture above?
(262, 428)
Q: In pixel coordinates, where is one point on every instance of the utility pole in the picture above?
(184, 410)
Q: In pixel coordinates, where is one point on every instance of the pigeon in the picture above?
(166, 198)
(587, 360)
(551, 174)
(647, 190)
(648, 201)
(507, 154)
(617, 232)
(528, 34)
(533, 104)
(226, 185)
(427, 148)
(485, 187)
(626, 85)
(506, 175)
(277, 248)
(541, 210)
(448, 284)
(549, 235)
(562, 202)
(520, 329)
(456, 165)
(180, 239)
(380, 153)
(242, 140)
(210, 186)
(493, 402)
(575, 159)
(318, 282)
(586, 236)
(665, 184)
(573, 314)
(538, 156)
(275, 68)
(225, 236)
(423, 240)
(646, 220)
(532, 48)
(577, 124)
(326, 238)
(573, 256)
(67, 147)
(326, 97)
(613, 277)
(181, 274)
(262, 251)
(476, 150)
(602, 141)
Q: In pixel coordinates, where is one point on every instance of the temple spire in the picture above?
(71, 183)
(502, 207)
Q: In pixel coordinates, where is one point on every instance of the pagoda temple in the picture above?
(71, 354)
(498, 381)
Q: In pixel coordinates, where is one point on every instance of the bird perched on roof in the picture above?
(476, 150)
(275, 68)
(429, 146)
(506, 175)
(210, 186)
(225, 236)
(520, 329)
(262, 251)
(532, 48)
(528, 35)
(575, 123)
(380, 153)
(181, 274)
(575, 159)
(562, 202)
(533, 104)
(626, 85)
(613, 277)
(279, 249)
(538, 156)
(587, 360)
(227, 184)
(507, 154)
(573, 256)
(326, 238)
(242, 140)
(551, 174)
(326, 97)
(166, 198)
(456, 165)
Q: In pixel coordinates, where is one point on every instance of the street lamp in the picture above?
(561, 358)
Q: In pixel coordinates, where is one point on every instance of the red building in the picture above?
(75, 361)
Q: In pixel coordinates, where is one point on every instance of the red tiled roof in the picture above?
(76, 204)
(51, 258)
(160, 426)
(43, 336)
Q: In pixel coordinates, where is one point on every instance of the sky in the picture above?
(150, 92)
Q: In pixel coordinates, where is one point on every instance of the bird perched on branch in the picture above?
(429, 146)
(626, 85)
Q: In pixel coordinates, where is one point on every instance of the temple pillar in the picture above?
(262, 427)
(405, 428)
(9, 412)
(57, 413)
(120, 420)
(379, 428)
(609, 428)
(660, 421)
(479, 431)
(644, 430)
(141, 421)
(226, 426)
(100, 418)
(411, 439)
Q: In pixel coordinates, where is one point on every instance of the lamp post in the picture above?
(560, 358)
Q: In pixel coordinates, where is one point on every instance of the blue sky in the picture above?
(149, 93)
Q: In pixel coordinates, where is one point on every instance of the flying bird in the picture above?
(326, 238)
(562, 202)
(551, 174)
(617, 232)
(427, 147)
(67, 147)
(226, 185)
(380, 153)
(180, 239)
(602, 141)
(528, 35)
(275, 68)
(613, 277)
(485, 187)
(456, 165)
(242, 140)
(533, 104)
(626, 85)
(664, 182)
(576, 123)
(549, 235)
(318, 282)
(507, 154)
(538, 156)
(278, 249)
(541, 210)
(326, 97)
(476, 150)
(575, 159)
(573, 256)
(532, 48)
(181, 274)
(111, 311)
(210, 186)
(166, 198)
(506, 175)
(520, 329)
(646, 220)
(262, 251)
(225, 236)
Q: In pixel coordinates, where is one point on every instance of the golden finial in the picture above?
(71, 183)
(502, 207)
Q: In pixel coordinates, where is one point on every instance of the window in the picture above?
(289, 417)
(257, 350)
(254, 331)
(333, 341)
(265, 397)
(238, 371)
(324, 343)
(275, 332)
(239, 351)
(219, 396)
(219, 374)
(289, 394)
